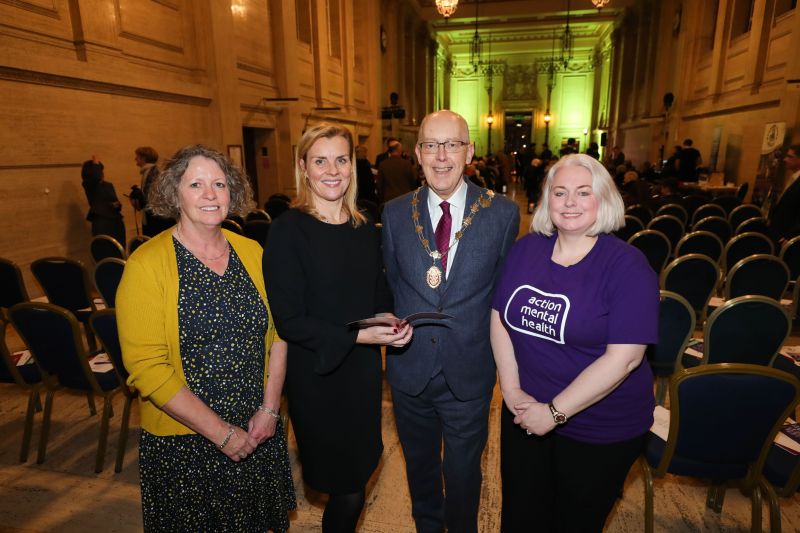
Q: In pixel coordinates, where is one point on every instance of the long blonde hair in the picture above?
(305, 198)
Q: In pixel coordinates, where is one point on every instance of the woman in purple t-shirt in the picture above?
(574, 310)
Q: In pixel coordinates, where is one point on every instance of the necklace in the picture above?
(181, 240)
(433, 276)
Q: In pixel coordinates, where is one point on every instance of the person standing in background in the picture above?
(105, 210)
(146, 159)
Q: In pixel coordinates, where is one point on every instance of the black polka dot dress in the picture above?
(188, 484)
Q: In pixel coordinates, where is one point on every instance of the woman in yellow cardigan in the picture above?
(195, 330)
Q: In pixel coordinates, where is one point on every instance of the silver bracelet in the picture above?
(271, 412)
(231, 431)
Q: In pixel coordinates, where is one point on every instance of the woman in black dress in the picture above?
(323, 269)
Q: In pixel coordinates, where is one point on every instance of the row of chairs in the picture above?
(748, 329)
(60, 361)
(698, 278)
(735, 215)
(671, 221)
(726, 411)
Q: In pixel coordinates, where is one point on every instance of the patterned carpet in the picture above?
(64, 495)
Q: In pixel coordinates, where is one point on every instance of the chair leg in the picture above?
(90, 339)
(90, 401)
(648, 496)
(103, 440)
(33, 403)
(774, 508)
(755, 501)
(48, 411)
(662, 383)
(123, 434)
(716, 496)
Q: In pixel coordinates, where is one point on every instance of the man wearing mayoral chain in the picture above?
(443, 247)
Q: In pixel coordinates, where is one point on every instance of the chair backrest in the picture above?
(53, 336)
(104, 325)
(747, 329)
(745, 245)
(12, 287)
(723, 418)
(790, 254)
(654, 245)
(717, 225)
(632, 226)
(670, 226)
(232, 225)
(107, 275)
(754, 225)
(642, 212)
(727, 202)
(258, 231)
(136, 242)
(741, 192)
(257, 214)
(742, 213)
(676, 320)
(700, 242)
(760, 274)
(693, 276)
(9, 371)
(276, 206)
(708, 210)
(692, 202)
(64, 281)
(105, 246)
(676, 210)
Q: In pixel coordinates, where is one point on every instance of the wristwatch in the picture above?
(558, 417)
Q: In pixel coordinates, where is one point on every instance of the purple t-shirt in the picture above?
(561, 319)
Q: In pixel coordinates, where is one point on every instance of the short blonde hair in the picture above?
(305, 198)
(610, 208)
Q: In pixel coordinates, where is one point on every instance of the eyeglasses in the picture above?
(451, 147)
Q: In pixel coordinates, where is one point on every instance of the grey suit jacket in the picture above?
(461, 345)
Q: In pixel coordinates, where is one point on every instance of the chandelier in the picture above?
(567, 41)
(599, 4)
(448, 7)
(476, 45)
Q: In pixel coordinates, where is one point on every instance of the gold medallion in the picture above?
(433, 276)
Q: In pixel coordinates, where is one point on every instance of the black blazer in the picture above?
(784, 217)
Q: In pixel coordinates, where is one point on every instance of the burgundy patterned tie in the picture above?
(443, 234)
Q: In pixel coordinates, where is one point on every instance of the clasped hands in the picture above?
(397, 336)
(260, 428)
(532, 416)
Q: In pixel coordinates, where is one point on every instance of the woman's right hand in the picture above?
(387, 335)
(239, 446)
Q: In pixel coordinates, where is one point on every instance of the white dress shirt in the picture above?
(457, 203)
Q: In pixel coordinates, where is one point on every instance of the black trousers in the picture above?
(557, 484)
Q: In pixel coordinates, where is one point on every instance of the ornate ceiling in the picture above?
(512, 25)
